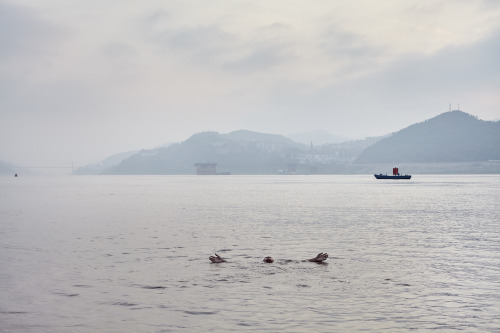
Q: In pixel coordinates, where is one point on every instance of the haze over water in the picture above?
(130, 253)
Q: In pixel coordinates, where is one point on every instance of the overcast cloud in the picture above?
(82, 80)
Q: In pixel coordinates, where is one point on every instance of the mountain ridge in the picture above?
(453, 136)
(239, 151)
(449, 138)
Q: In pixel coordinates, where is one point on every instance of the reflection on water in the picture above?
(120, 254)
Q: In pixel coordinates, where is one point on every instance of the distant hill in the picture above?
(112, 161)
(453, 136)
(7, 168)
(453, 142)
(317, 138)
(347, 150)
(240, 152)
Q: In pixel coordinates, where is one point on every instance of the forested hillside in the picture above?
(453, 136)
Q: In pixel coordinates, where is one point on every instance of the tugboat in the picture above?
(395, 175)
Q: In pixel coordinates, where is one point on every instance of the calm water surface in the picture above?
(130, 254)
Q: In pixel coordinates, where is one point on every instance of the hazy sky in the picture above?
(83, 79)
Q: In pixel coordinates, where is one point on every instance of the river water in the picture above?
(130, 254)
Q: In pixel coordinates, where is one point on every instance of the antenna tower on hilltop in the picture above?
(458, 107)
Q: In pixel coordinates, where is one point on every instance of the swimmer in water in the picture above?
(216, 259)
(319, 258)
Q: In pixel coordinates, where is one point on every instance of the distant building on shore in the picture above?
(206, 168)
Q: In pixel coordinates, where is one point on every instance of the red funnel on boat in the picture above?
(395, 171)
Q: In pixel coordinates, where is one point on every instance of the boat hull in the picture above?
(392, 176)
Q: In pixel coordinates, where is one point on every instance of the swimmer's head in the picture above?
(268, 260)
